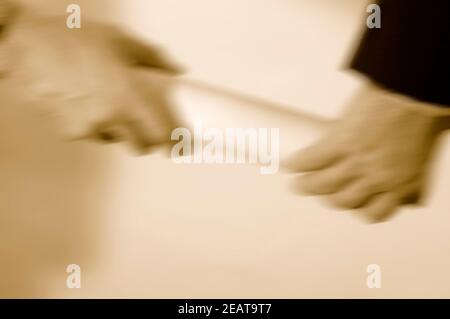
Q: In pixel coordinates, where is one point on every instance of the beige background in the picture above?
(145, 227)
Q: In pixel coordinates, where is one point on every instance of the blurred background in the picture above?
(145, 227)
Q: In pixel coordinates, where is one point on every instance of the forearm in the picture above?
(409, 53)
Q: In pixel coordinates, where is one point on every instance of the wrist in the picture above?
(437, 115)
(423, 107)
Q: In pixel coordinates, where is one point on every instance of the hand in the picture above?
(375, 157)
(87, 79)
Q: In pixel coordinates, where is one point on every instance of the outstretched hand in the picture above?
(86, 78)
(375, 158)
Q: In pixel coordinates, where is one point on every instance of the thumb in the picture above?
(146, 55)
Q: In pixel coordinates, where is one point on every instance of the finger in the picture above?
(107, 137)
(111, 134)
(155, 90)
(381, 207)
(413, 192)
(144, 54)
(154, 103)
(139, 131)
(118, 132)
(317, 156)
(328, 180)
(354, 195)
(414, 198)
(146, 128)
(136, 135)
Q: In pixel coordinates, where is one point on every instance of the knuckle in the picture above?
(342, 201)
(351, 198)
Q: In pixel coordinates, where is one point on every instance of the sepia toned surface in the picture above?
(145, 227)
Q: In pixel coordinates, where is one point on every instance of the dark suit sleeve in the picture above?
(410, 53)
